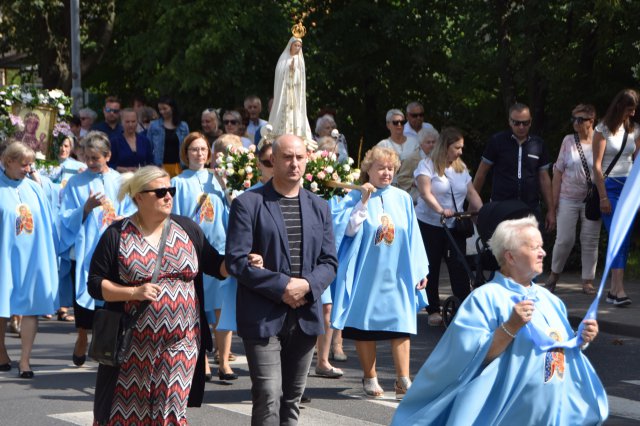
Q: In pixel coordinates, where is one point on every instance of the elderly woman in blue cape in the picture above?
(200, 197)
(510, 355)
(89, 205)
(28, 245)
(382, 269)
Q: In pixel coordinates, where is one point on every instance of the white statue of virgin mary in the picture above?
(289, 111)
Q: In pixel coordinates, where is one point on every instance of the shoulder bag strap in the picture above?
(156, 271)
(455, 206)
(585, 166)
(615, 159)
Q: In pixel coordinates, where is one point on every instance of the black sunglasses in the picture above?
(225, 122)
(266, 163)
(580, 120)
(162, 192)
(398, 122)
(519, 123)
(113, 110)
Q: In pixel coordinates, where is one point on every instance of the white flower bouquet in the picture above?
(238, 169)
(326, 176)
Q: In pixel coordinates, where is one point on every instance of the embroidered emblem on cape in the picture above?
(24, 221)
(554, 360)
(386, 231)
(108, 213)
(205, 211)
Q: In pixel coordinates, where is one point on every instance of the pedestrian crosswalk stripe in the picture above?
(308, 416)
(622, 407)
(82, 418)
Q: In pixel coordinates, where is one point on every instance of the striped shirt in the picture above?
(290, 208)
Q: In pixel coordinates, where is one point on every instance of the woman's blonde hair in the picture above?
(134, 183)
(223, 142)
(507, 236)
(447, 137)
(374, 154)
(16, 151)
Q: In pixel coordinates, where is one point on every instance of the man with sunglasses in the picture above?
(520, 164)
(415, 120)
(111, 124)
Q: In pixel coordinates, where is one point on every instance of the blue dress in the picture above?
(81, 235)
(379, 267)
(28, 244)
(123, 156)
(212, 215)
(524, 385)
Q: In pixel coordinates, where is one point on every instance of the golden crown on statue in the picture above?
(298, 30)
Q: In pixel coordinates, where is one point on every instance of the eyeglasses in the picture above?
(520, 123)
(267, 163)
(398, 122)
(162, 192)
(196, 150)
(234, 122)
(416, 114)
(580, 120)
(113, 110)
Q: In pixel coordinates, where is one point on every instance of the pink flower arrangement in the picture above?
(324, 167)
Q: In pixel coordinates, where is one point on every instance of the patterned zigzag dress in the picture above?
(154, 382)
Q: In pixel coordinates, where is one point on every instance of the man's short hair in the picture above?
(252, 98)
(112, 100)
(519, 107)
(414, 104)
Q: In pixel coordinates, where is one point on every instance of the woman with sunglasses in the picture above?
(201, 198)
(407, 148)
(608, 141)
(89, 205)
(265, 166)
(164, 367)
(166, 135)
(233, 125)
(570, 185)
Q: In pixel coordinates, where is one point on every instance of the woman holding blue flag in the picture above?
(509, 356)
(382, 269)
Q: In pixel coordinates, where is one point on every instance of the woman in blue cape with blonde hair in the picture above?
(496, 365)
(28, 244)
(382, 269)
(89, 205)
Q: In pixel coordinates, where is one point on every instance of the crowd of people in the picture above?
(287, 271)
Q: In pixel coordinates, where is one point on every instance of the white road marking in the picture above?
(83, 418)
(623, 407)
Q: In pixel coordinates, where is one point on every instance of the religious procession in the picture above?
(159, 243)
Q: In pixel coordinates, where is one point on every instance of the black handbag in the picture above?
(462, 226)
(592, 200)
(113, 330)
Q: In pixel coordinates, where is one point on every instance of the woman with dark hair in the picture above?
(444, 183)
(616, 134)
(166, 135)
(572, 174)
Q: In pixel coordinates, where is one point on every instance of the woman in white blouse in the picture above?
(607, 142)
(442, 178)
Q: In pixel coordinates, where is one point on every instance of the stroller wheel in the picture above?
(449, 309)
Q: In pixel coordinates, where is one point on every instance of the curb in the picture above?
(610, 327)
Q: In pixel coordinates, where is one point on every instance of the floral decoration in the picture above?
(324, 167)
(239, 169)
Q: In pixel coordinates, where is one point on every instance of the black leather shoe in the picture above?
(227, 376)
(208, 377)
(5, 367)
(25, 374)
(79, 360)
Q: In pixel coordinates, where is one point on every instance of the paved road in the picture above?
(62, 394)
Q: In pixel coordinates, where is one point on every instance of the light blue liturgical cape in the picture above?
(379, 268)
(84, 236)
(28, 243)
(525, 385)
(212, 216)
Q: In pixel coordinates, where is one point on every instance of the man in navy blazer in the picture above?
(279, 311)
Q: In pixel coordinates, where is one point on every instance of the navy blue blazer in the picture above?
(256, 226)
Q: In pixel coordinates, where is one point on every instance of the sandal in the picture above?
(401, 386)
(372, 388)
(587, 288)
(65, 316)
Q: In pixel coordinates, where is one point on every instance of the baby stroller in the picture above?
(480, 267)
